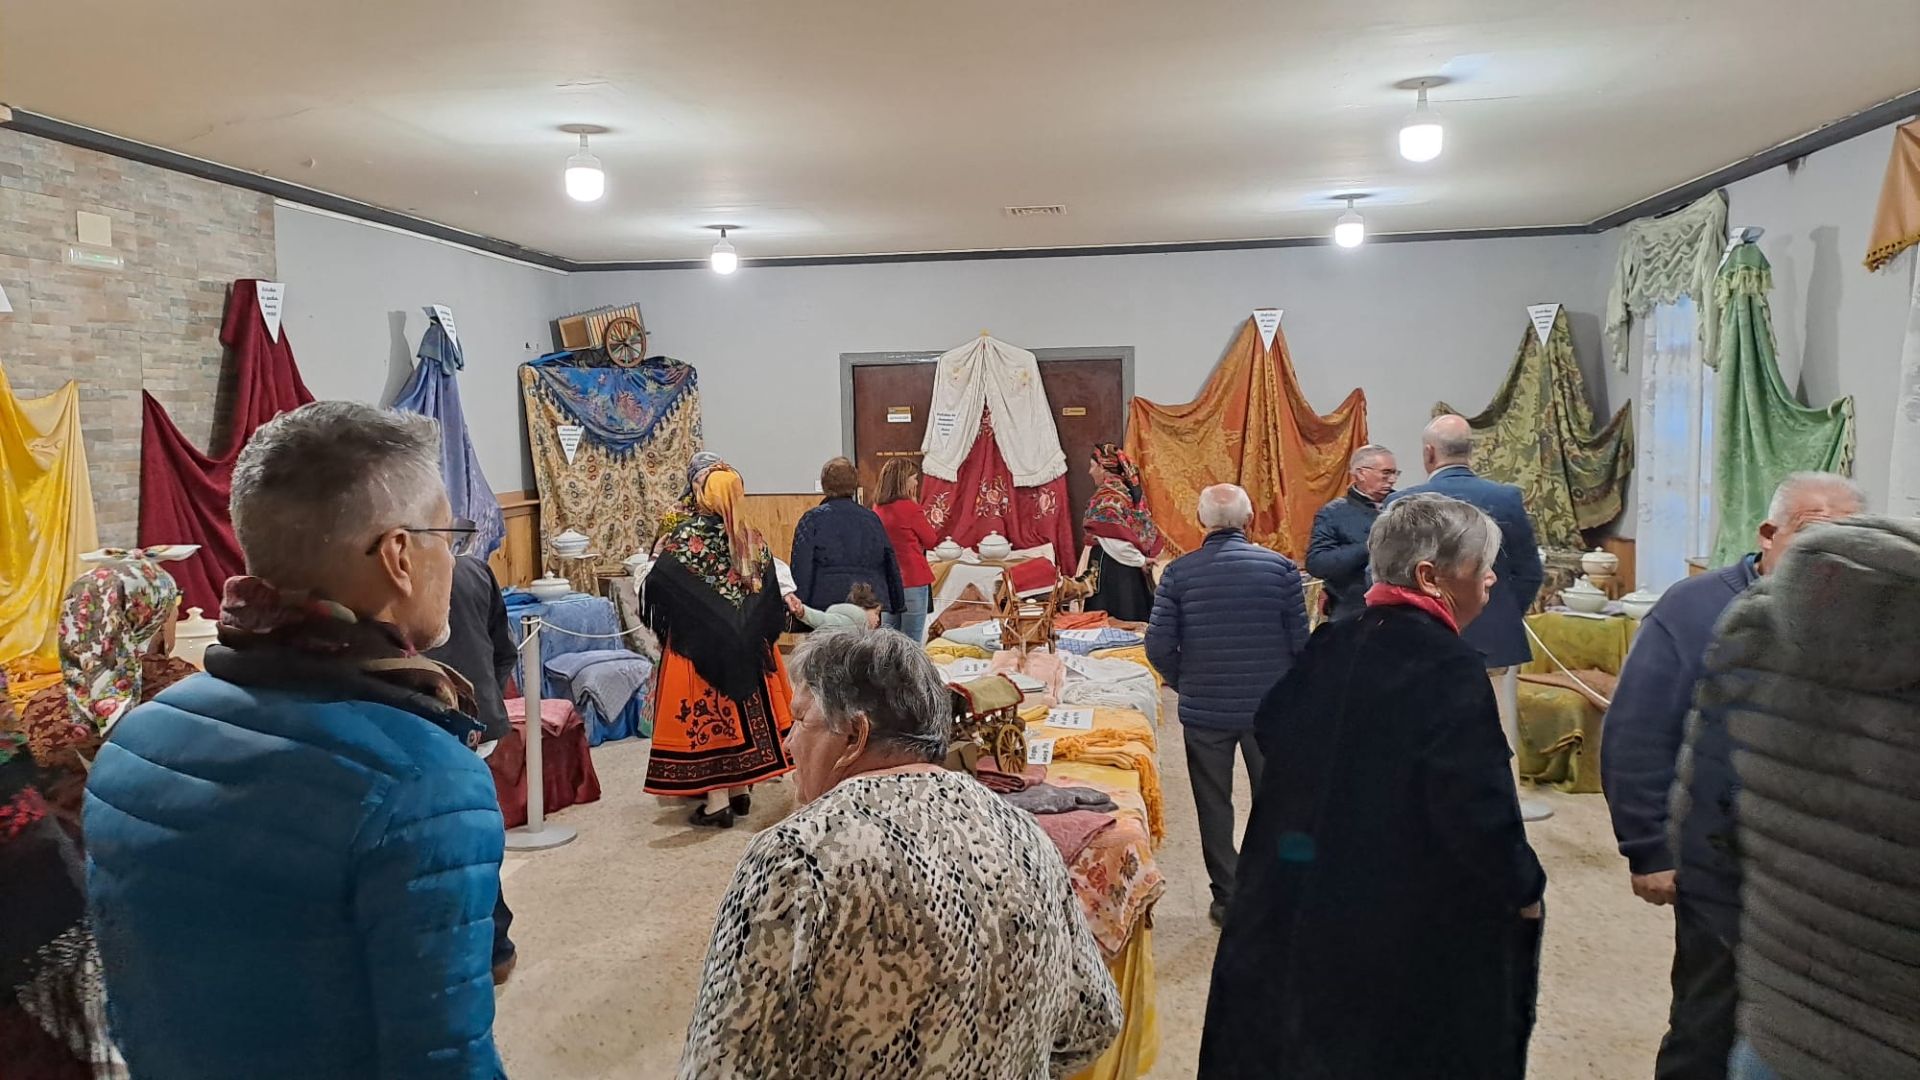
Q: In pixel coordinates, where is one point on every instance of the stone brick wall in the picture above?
(154, 324)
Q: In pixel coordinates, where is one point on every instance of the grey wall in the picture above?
(1839, 328)
(353, 309)
(1410, 323)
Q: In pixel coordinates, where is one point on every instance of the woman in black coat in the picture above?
(840, 544)
(1387, 918)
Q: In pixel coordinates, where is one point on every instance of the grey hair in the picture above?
(884, 675)
(1224, 506)
(1800, 483)
(314, 485)
(1367, 453)
(1448, 444)
(1429, 527)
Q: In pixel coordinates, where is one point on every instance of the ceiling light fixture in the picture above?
(1421, 136)
(586, 180)
(1350, 229)
(724, 259)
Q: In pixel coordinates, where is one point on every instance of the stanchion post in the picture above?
(537, 834)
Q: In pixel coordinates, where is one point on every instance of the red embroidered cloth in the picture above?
(183, 492)
(982, 500)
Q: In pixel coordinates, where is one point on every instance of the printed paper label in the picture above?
(1078, 719)
(1268, 320)
(899, 414)
(569, 439)
(969, 668)
(944, 423)
(4, 306)
(1040, 752)
(270, 294)
(1543, 316)
(445, 315)
(1080, 635)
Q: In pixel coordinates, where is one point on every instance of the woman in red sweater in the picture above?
(898, 504)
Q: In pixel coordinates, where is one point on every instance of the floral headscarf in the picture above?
(1117, 510)
(108, 619)
(1118, 465)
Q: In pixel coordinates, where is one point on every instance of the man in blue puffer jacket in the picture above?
(1227, 622)
(294, 858)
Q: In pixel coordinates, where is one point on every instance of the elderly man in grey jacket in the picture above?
(1815, 674)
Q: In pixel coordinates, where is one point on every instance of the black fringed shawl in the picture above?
(729, 645)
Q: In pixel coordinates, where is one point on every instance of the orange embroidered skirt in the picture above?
(704, 740)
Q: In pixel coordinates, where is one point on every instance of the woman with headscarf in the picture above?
(1120, 536)
(721, 696)
(116, 627)
(1385, 921)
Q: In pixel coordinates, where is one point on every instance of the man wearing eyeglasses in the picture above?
(1337, 554)
(294, 858)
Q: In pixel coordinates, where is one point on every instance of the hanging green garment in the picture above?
(1764, 433)
(1538, 435)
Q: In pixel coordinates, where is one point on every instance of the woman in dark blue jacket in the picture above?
(840, 544)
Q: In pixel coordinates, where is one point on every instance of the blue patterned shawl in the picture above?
(618, 407)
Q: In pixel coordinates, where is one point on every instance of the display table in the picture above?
(1559, 726)
(565, 761)
(1116, 877)
(578, 623)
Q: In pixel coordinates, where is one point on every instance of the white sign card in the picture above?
(968, 668)
(900, 414)
(1080, 635)
(445, 315)
(270, 294)
(1077, 719)
(569, 439)
(1268, 320)
(1543, 316)
(1040, 752)
(4, 306)
(944, 423)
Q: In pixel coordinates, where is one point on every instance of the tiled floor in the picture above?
(613, 928)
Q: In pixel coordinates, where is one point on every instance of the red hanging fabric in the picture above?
(982, 499)
(183, 492)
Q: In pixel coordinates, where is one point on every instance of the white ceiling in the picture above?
(859, 126)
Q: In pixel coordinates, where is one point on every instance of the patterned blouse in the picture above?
(905, 924)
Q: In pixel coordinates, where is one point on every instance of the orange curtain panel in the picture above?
(1250, 426)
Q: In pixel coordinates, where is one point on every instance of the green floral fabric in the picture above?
(1538, 434)
(1764, 433)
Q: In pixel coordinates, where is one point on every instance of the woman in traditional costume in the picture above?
(116, 628)
(721, 709)
(1121, 538)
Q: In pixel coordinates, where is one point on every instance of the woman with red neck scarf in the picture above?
(1121, 538)
(1386, 919)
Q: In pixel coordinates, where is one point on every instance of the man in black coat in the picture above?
(480, 647)
(1337, 553)
(1386, 917)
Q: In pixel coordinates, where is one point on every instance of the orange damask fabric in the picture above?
(1250, 426)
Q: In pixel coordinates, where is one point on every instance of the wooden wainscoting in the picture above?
(516, 562)
(776, 516)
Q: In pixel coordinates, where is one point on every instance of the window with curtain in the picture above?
(1674, 471)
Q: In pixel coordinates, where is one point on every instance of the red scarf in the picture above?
(1385, 595)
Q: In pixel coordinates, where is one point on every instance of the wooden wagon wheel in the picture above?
(625, 342)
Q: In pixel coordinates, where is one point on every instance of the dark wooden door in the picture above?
(1087, 398)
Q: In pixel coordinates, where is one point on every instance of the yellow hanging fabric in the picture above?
(46, 518)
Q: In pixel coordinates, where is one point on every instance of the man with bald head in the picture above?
(1671, 795)
(1227, 622)
(1500, 633)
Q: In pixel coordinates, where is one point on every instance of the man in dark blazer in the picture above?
(1500, 633)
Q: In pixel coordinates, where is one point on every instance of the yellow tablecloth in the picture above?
(1121, 738)
(1134, 1052)
(1560, 729)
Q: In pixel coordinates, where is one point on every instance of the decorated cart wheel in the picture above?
(625, 342)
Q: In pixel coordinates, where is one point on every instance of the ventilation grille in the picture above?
(1036, 211)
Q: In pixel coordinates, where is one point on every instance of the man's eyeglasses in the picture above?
(461, 537)
(1391, 474)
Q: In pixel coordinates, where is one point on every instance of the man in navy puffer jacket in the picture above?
(1227, 622)
(294, 858)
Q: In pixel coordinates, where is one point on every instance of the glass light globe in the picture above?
(1350, 229)
(724, 260)
(585, 179)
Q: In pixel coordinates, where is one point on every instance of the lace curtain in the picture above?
(1675, 452)
(1903, 499)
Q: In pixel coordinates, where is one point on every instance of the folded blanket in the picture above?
(1114, 683)
(988, 772)
(1084, 642)
(1122, 750)
(610, 678)
(1047, 799)
(1072, 831)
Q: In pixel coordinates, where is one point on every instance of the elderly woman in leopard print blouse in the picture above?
(906, 921)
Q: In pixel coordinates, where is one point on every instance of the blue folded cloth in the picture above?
(610, 678)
